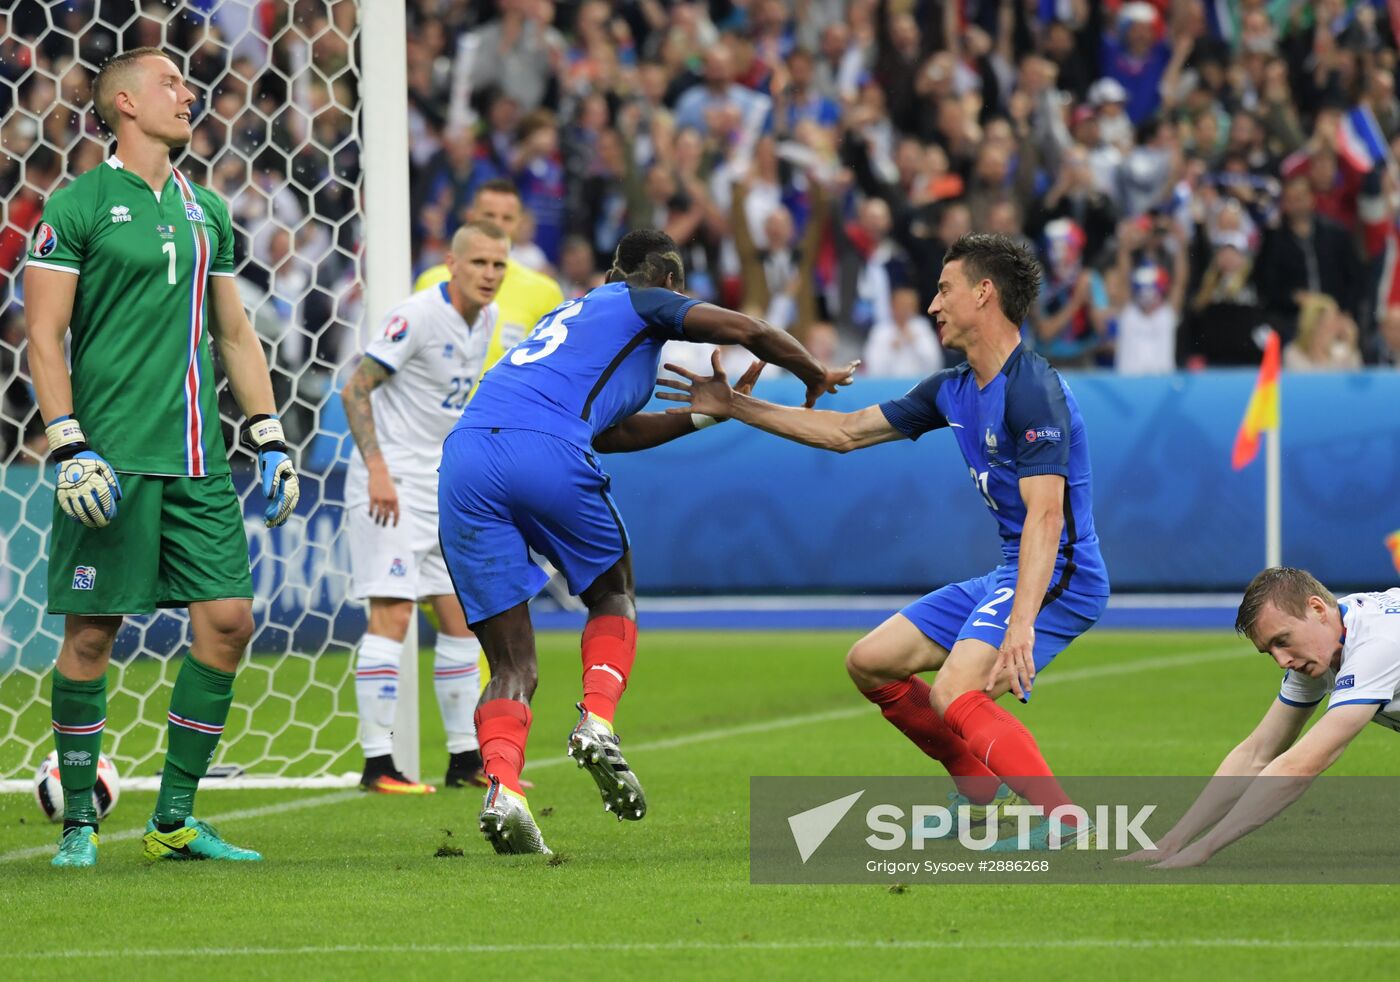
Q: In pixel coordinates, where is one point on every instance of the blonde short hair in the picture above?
(113, 76)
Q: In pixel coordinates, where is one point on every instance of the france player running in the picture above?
(520, 470)
(1020, 432)
(404, 398)
(1346, 651)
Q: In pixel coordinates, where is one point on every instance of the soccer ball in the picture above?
(48, 789)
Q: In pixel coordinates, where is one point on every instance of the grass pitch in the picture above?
(362, 887)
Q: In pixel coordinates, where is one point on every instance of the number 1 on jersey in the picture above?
(169, 250)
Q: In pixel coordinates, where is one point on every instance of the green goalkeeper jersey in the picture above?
(143, 376)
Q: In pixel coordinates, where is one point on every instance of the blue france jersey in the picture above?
(1024, 423)
(587, 364)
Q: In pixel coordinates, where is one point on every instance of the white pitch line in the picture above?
(767, 726)
(817, 944)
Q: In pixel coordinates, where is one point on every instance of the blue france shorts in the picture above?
(502, 492)
(979, 608)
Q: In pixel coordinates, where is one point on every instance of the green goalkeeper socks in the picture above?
(198, 709)
(79, 716)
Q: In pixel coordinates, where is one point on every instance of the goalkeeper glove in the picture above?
(279, 478)
(88, 490)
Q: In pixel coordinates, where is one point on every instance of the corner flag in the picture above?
(1262, 411)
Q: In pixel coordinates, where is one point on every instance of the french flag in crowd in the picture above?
(1360, 141)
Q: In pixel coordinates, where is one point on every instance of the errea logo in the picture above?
(120, 213)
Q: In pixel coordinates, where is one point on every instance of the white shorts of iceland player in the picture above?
(403, 561)
(1369, 672)
(433, 359)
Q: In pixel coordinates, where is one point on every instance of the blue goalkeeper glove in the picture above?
(279, 477)
(88, 490)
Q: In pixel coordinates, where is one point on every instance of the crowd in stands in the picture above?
(1187, 170)
(1190, 172)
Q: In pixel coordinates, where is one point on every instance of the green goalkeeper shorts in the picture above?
(175, 541)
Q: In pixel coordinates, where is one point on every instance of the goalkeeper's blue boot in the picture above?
(507, 823)
(595, 746)
(78, 847)
(195, 840)
(1038, 838)
(977, 814)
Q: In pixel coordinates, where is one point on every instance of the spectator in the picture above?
(720, 106)
(1149, 311)
(1076, 196)
(1326, 340)
(905, 346)
(577, 268)
(1224, 314)
(779, 278)
(1304, 253)
(1134, 57)
(1386, 349)
(539, 174)
(521, 53)
(872, 265)
(1070, 323)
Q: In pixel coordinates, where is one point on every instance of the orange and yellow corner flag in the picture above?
(1392, 542)
(1262, 412)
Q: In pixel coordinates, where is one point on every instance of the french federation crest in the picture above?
(193, 212)
(45, 241)
(84, 577)
(397, 568)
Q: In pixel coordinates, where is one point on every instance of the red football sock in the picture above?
(906, 705)
(1007, 747)
(502, 726)
(609, 648)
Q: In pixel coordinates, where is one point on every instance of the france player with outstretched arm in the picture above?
(1019, 430)
(520, 472)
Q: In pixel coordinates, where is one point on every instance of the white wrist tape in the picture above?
(64, 433)
(700, 420)
(266, 431)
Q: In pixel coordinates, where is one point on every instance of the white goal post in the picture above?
(303, 129)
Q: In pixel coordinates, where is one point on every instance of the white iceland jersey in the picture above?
(434, 358)
(1370, 668)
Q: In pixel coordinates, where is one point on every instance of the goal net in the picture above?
(277, 134)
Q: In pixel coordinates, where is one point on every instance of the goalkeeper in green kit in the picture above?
(137, 262)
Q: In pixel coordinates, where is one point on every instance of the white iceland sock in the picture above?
(377, 692)
(457, 681)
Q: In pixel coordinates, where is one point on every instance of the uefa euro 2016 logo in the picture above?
(84, 577)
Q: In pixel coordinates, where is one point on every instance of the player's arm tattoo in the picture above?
(358, 412)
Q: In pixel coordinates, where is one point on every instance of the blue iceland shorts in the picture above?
(979, 608)
(501, 491)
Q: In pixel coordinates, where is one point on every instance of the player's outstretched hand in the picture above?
(750, 378)
(1193, 855)
(279, 478)
(1016, 659)
(710, 395)
(832, 380)
(88, 489)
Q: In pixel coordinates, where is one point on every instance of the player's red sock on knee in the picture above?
(906, 704)
(502, 726)
(609, 648)
(1003, 743)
